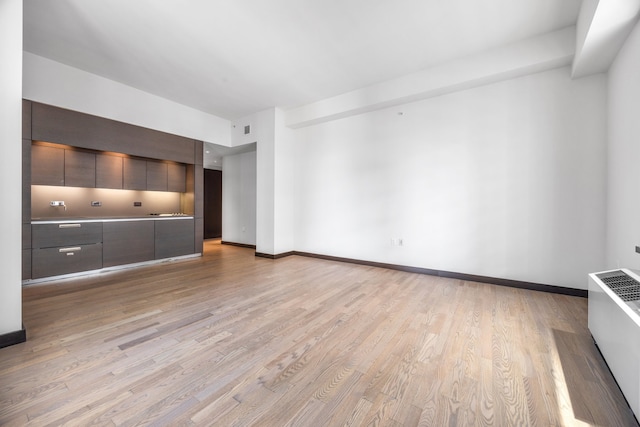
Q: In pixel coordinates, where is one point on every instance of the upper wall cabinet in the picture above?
(108, 171)
(53, 124)
(134, 174)
(53, 164)
(79, 169)
(176, 177)
(47, 165)
(156, 176)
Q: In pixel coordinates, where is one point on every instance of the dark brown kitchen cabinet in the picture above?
(174, 238)
(82, 130)
(134, 174)
(108, 171)
(176, 177)
(127, 242)
(26, 264)
(26, 119)
(47, 165)
(65, 234)
(65, 248)
(79, 169)
(156, 176)
(26, 251)
(48, 262)
(26, 181)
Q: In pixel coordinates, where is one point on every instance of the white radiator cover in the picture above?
(615, 327)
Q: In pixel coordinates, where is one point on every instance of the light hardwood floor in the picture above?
(231, 339)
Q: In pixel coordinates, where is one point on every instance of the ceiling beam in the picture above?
(552, 50)
(602, 28)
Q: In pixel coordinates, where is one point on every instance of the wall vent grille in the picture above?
(626, 287)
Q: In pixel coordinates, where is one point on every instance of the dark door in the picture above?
(212, 204)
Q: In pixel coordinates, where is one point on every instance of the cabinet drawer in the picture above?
(65, 260)
(52, 235)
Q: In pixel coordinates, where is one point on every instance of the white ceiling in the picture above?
(232, 58)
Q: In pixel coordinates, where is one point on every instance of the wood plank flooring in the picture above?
(234, 340)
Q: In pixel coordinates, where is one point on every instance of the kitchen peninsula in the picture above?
(100, 194)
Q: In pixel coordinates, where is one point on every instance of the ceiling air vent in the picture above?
(626, 287)
(247, 129)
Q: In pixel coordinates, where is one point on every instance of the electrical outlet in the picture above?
(56, 203)
(137, 204)
(96, 204)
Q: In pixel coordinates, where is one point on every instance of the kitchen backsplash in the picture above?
(78, 202)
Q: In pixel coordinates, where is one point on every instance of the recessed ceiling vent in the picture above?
(247, 129)
(626, 287)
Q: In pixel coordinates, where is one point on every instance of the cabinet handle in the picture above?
(63, 250)
(69, 225)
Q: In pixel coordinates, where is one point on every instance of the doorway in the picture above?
(212, 204)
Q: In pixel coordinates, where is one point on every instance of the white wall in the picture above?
(505, 180)
(284, 186)
(11, 164)
(264, 127)
(51, 82)
(274, 174)
(623, 215)
(239, 198)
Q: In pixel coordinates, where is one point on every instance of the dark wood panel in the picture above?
(134, 174)
(174, 238)
(109, 171)
(58, 261)
(199, 152)
(26, 181)
(156, 176)
(53, 235)
(47, 165)
(79, 169)
(198, 182)
(198, 235)
(198, 188)
(26, 119)
(55, 124)
(26, 264)
(212, 204)
(176, 177)
(26, 236)
(127, 242)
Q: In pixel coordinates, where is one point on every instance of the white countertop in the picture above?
(107, 219)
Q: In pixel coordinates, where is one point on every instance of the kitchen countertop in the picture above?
(67, 220)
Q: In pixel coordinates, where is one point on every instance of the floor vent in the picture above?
(626, 287)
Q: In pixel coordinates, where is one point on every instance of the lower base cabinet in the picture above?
(26, 264)
(127, 242)
(65, 260)
(71, 248)
(174, 238)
